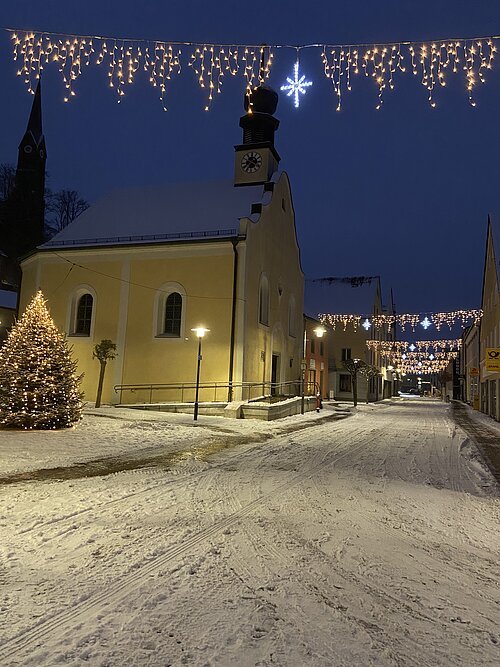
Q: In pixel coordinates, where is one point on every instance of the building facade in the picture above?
(143, 267)
(352, 295)
(489, 340)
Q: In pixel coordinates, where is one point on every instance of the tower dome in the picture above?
(264, 100)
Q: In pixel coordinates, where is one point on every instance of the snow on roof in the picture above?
(355, 295)
(8, 299)
(208, 209)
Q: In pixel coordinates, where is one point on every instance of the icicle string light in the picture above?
(123, 58)
(404, 320)
(431, 62)
(400, 346)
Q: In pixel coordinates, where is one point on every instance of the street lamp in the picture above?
(319, 332)
(200, 332)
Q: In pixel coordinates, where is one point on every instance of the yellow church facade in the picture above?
(143, 267)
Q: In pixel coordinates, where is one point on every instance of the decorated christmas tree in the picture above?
(39, 388)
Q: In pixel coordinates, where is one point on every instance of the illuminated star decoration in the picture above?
(366, 324)
(425, 322)
(296, 85)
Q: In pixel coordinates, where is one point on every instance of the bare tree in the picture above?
(62, 208)
(104, 352)
(354, 366)
(7, 180)
(370, 372)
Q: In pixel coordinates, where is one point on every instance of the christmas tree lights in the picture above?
(431, 62)
(39, 388)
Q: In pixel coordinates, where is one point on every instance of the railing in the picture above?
(184, 392)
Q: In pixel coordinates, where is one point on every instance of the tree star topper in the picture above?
(296, 85)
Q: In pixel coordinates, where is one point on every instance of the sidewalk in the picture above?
(482, 430)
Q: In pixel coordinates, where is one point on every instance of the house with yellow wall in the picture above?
(143, 267)
(489, 337)
(353, 295)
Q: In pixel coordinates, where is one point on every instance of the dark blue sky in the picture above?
(403, 192)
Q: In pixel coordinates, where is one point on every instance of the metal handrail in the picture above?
(274, 388)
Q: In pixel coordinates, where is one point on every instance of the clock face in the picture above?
(251, 162)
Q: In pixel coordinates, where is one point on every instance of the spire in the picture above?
(35, 120)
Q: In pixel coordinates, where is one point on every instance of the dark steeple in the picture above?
(26, 207)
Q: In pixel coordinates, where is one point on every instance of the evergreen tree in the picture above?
(38, 385)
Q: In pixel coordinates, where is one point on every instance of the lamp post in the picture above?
(200, 332)
(319, 332)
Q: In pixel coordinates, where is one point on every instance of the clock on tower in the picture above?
(256, 158)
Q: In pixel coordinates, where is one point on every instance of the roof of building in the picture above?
(355, 294)
(177, 211)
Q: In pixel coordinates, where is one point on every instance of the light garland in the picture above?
(124, 57)
(423, 367)
(421, 345)
(405, 319)
(430, 61)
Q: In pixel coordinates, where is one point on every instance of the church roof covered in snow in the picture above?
(355, 294)
(152, 214)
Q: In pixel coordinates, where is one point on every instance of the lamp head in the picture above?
(200, 331)
(320, 332)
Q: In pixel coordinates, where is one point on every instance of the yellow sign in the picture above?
(493, 359)
(474, 371)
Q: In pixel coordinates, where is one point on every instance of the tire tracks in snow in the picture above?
(119, 590)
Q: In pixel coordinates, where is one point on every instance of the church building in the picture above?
(143, 267)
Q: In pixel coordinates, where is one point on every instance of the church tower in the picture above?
(256, 159)
(30, 179)
(24, 228)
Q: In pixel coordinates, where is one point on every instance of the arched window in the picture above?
(173, 315)
(264, 301)
(83, 318)
(81, 312)
(170, 311)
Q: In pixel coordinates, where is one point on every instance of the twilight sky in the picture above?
(403, 192)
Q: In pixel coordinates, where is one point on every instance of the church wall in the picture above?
(490, 334)
(207, 282)
(272, 250)
(50, 274)
(126, 308)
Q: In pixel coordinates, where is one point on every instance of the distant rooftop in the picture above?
(178, 211)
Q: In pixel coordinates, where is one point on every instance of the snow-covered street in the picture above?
(371, 540)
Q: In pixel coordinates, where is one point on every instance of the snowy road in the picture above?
(368, 541)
